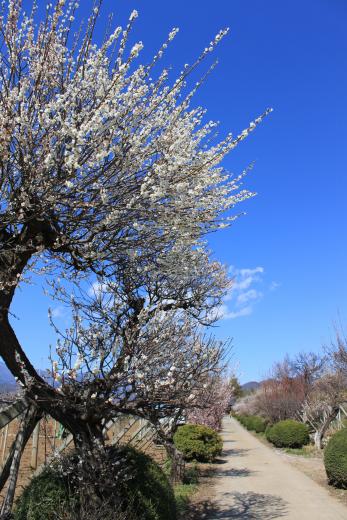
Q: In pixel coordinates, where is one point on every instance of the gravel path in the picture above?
(253, 482)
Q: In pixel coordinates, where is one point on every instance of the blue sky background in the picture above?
(289, 252)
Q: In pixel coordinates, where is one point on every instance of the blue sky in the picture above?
(288, 254)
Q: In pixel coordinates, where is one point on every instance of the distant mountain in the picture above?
(7, 381)
(250, 386)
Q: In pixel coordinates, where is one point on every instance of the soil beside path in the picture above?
(253, 482)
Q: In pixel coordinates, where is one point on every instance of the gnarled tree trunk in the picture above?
(321, 431)
(11, 468)
(177, 462)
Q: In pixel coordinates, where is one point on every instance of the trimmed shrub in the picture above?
(288, 434)
(44, 496)
(147, 495)
(243, 419)
(335, 459)
(253, 422)
(149, 487)
(267, 430)
(198, 442)
(257, 424)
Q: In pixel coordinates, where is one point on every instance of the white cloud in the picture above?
(274, 286)
(97, 289)
(242, 296)
(245, 311)
(58, 312)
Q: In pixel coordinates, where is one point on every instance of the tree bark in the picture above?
(11, 467)
(177, 462)
(90, 448)
(320, 433)
(28, 429)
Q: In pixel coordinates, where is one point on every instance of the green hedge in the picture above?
(44, 497)
(147, 493)
(288, 434)
(335, 459)
(257, 424)
(253, 422)
(198, 442)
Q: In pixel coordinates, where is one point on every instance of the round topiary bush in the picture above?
(267, 431)
(288, 434)
(198, 442)
(44, 497)
(147, 495)
(335, 459)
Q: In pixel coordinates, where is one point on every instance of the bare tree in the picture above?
(322, 404)
(338, 354)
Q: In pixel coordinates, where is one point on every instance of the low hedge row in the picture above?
(294, 434)
(252, 422)
(283, 434)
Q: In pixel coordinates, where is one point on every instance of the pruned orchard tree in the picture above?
(132, 349)
(329, 391)
(102, 160)
(322, 404)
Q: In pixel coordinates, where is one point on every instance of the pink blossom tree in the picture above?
(212, 403)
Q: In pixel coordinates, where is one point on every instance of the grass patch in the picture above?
(183, 492)
(305, 451)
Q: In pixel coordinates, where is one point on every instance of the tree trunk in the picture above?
(93, 470)
(11, 467)
(177, 462)
(28, 429)
(320, 433)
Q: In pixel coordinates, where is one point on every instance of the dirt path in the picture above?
(255, 483)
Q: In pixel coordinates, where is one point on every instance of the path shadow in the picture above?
(237, 472)
(244, 506)
(235, 452)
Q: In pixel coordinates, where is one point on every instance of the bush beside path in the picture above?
(253, 482)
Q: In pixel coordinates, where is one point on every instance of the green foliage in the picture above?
(288, 434)
(44, 497)
(243, 419)
(335, 459)
(148, 492)
(235, 387)
(267, 430)
(198, 442)
(183, 494)
(306, 451)
(149, 487)
(253, 422)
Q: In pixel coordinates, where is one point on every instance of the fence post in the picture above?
(4, 434)
(35, 446)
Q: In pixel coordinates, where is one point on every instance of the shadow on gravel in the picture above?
(245, 506)
(236, 472)
(235, 452)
